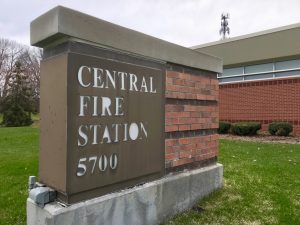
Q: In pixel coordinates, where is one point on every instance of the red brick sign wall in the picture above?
(262, 101)
(191, 119)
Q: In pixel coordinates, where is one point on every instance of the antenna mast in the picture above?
(224, 25)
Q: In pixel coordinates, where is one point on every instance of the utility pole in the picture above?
(224, 25)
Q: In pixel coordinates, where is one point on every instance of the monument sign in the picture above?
(120, 109)
(114, 117)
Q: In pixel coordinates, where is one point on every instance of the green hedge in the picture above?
(224, 127)
(245, 128)
(280, 128)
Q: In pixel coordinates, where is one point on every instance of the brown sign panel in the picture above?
(111, 125)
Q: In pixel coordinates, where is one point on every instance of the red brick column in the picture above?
(262, 101)
(191, 118)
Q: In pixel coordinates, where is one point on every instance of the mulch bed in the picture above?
(264, 138)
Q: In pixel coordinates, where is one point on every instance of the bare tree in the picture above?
(9, 51)
(29, 57)
(30, 60)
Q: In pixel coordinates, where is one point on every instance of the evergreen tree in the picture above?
(18, 104)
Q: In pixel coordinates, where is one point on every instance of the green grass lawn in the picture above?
(18, 160)
(262, 186)
(262, 182)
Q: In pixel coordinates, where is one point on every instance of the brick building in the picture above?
(261, 77)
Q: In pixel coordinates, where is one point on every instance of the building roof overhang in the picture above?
(264, 46)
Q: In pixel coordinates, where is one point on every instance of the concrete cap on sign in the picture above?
(61, 24)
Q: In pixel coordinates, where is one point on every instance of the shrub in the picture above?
(245, 128)
(224, 127)
(280, 128)
(16, 117)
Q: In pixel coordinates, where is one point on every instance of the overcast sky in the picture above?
(184, 22)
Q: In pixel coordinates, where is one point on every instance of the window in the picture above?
(261, 71)
(233, 71)
(259, 68)
(286, 65)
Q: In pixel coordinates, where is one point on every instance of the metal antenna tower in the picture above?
(224, 25)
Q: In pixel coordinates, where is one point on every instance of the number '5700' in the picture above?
(101, 163)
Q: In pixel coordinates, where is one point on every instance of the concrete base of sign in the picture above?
(150, 203)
